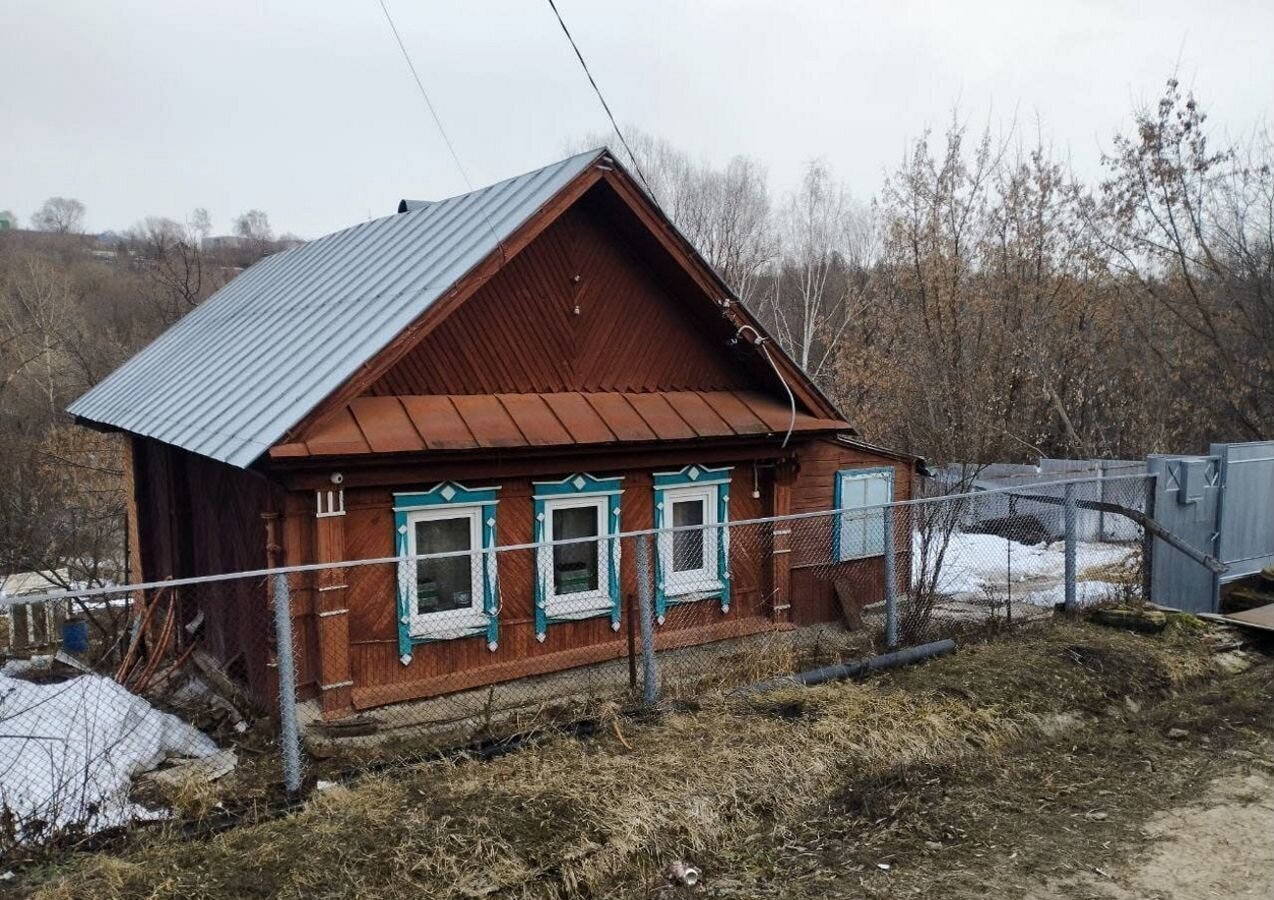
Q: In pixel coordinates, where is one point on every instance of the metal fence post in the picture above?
(289, 732)
(1068, 506)
(645, 612)
(891, 580)
(1148, 543)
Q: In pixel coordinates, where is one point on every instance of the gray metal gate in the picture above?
(1222, 504)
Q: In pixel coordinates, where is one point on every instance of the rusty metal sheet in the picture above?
(661, 417)
(338, 435)
(535, 420)
(386, 425)
(438, 422)
(734, 411)
(776, 416)
(622, 420)
(488, 421)
(579, 418)
(696, 413)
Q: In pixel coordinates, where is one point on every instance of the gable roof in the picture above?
(230, 378)
(272, 350)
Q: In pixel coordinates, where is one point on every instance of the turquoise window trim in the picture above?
(447, 494)
(694, 476)
(838, 501)
(577, 486)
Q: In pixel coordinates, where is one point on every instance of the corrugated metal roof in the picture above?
(413, 424)
(234, 375)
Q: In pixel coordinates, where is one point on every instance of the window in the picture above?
(692, 562)
(455, 593)
(579, 581)
(446, 598)
(860, 529)
(578, 559)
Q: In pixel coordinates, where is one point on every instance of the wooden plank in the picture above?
(368, 697)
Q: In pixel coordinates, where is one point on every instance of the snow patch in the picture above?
(975, 562)
(69, 752)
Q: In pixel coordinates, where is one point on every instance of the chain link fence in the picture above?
(238, 688)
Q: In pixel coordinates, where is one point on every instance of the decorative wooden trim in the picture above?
(446, 495)
(580, 485)
(692, 476)
(329, 503)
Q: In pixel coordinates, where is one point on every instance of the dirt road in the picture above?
(1219, 847)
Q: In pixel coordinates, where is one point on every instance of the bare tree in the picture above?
(200, 224)
(826, 243)
(62, 215)
(724, 213)
(1191, 229)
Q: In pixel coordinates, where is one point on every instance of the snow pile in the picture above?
(1087, 593)
(974, 562)
(69, 751)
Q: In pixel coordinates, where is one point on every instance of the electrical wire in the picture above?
(438, 122)
(791, 398)
(605, 105)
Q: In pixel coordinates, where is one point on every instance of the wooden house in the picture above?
(543, 358)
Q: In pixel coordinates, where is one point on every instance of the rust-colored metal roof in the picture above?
(475, 421)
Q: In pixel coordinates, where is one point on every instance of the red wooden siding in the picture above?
(520, 332)
(196, 516)
(379, 676)
(813, 579)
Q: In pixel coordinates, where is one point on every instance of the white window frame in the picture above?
(705, 580)
(860, 532)
(453, 622)
(580, 603)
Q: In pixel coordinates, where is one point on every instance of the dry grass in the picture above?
(723, 781)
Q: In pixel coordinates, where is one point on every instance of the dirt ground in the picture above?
(1222, 845)
(1059, 762)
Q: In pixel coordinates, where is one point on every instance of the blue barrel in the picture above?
(75, 635)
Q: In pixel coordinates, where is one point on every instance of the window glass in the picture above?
(862, 525)
(687, 546)
(575, 565)
(446, 584)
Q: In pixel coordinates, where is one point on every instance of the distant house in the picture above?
(543, 358)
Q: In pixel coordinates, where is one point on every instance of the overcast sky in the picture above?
(306, 109)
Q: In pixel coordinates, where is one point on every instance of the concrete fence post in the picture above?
(289, 731)
(645, 615)
(1068, 507)
(891, 579)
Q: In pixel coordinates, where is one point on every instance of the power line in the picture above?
(605, 105)
(437, 121)
(425, 94)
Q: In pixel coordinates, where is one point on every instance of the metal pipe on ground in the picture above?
(853, 669)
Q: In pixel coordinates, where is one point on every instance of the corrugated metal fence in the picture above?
(1222, 504)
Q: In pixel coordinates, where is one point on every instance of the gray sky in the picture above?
(305, 108)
